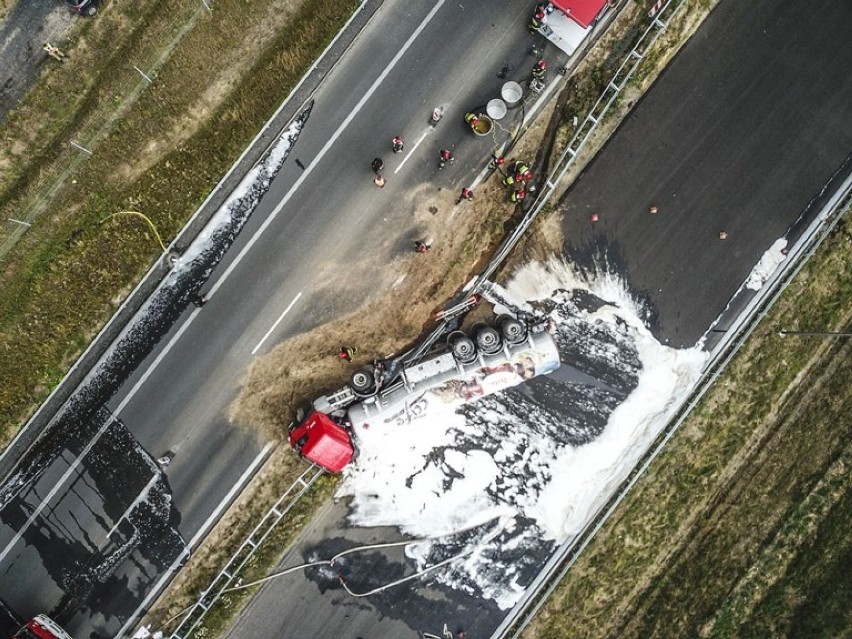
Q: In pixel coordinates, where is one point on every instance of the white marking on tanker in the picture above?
(338, 132)
(413, 149)
(277, 322)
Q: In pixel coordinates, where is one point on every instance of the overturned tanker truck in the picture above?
(467, 366)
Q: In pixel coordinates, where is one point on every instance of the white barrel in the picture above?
(511, 93)
(496, 109)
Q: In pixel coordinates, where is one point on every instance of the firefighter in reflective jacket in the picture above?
(539, 69)
(537, 21)
(518, 195)
(471, 119)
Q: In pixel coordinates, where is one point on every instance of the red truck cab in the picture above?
(323, 441)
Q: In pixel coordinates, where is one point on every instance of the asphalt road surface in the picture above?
(104, 521)
(324, 247)
(741, 133)
(23, 32)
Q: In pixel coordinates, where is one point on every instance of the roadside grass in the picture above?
(812, 597)
(732, 488)
(164, 154)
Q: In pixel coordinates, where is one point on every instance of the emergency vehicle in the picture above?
(41, 627)
(566, 23)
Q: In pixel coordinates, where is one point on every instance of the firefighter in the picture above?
(398, 144)
(539, 70)
(446, 155)
(537, 21)
(518, 195)
(423, 246)
(346, 353)
(471, 119)
(466, 194)
(509, 181)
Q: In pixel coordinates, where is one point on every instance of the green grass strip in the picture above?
(69, 273)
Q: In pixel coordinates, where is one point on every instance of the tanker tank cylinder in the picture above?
(487, 339)
(512, 329)
(363, 382)
(463, 348)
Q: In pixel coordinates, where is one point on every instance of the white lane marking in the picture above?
(158, 588)
(78, 460)
(160, 357)
(143, 494)
(277, 322)
(413, 149)
(52, 493)
(271, 217)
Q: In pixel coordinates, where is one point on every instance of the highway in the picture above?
(320, 243)
(742, 131)
(82, 541)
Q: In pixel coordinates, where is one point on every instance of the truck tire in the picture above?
(488, 340)
(463, 348)
(512, 330)
(363, 382)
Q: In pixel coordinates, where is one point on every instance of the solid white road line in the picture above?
(157, 589)
(143, 494)
(413, 149)
(277, 322)
(357, 108)
(159, 358)
(52, 493)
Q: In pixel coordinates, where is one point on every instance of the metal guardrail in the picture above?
(244, 553)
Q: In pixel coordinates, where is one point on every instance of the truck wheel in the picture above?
(488, 340)
(363, 382)
(464, 350)
(512, 330)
